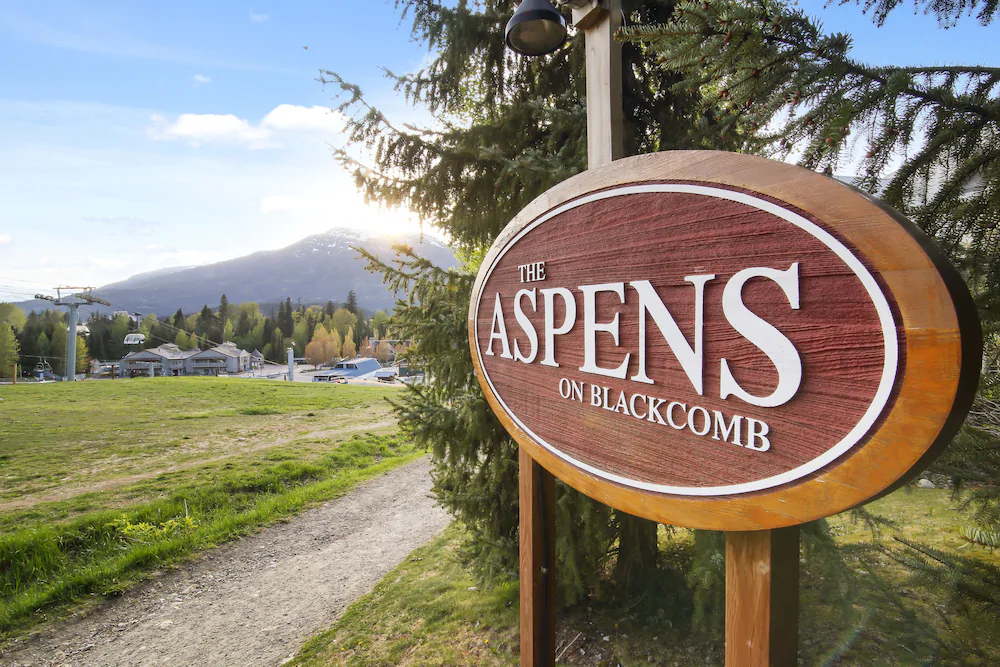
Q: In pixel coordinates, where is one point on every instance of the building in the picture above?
(224, 359)
(167, 359)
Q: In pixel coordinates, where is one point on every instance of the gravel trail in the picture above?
(254, 601)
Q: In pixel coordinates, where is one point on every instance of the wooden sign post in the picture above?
(724, 342)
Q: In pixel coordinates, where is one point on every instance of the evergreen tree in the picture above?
(42, 346)
(774, 70)
(10, 351)
(352, 302)
(328, 309)
(119, 329)
(277, 345)
(243, 323)
(285, 319)
(510, 128)
(223, 308)
(948, 12)
(178, 319)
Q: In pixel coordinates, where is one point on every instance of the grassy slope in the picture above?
(426, 613)
(160, 469)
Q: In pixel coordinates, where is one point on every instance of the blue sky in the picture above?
(136, 136)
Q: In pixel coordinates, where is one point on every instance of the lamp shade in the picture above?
(536, 28)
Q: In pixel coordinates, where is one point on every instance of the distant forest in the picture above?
(40, 337)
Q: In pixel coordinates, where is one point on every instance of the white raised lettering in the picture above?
(591, 326)
(605, 404)
(654, 410)
(670, 414)
(732, 429)
(525, 323)
(565, 388)
(754, 434)
(595, 395)
(765, 336)
(499, 330)
(689, 356)
(707, 421)
(622, 405)
(631, 405)
(551, 331)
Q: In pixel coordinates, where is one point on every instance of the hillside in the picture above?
(317, 269)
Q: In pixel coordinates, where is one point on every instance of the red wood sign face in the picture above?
(686, 344)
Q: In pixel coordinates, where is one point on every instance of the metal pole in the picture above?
(291, 364)
(71, 344)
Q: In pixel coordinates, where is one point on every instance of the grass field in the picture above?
(429, 611)
(103, 482)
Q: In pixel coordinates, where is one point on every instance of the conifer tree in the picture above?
(774, 70)
(223, 308)
(508, 129)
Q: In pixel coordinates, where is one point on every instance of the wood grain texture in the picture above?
(537, 544)
(762, 598)
(942, 348)
(836, 331)
(605, 122)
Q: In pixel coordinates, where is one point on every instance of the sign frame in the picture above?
(931, 396)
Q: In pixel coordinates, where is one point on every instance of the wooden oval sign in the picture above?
(722, 341)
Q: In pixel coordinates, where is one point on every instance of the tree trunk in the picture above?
(637, 551)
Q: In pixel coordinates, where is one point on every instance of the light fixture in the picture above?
(536, 28)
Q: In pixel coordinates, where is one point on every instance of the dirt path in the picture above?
(254, 602)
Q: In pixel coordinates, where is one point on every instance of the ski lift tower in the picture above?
(81, 296)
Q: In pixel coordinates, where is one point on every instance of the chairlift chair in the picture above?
(134, 337)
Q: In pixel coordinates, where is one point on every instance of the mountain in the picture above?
(317, 269)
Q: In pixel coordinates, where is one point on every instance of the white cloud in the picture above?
(4, 239)
(258, 18)
(197, 128)
(309, 119)
(201, 78)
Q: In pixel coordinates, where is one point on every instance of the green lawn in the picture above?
(429, 610)
(102, 482)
